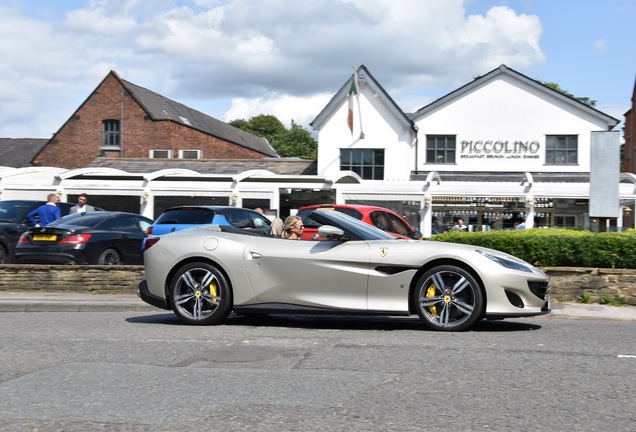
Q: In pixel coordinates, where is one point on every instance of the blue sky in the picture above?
(589, 47)
(239, 58)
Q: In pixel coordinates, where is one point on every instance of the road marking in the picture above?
(626, 356)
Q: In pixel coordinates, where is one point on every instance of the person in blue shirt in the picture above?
(46, 213)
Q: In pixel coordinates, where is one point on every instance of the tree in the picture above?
(262, 125)
(293, 142)
(555, 86)
(241, 124)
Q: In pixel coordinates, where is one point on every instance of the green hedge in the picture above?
(556, 247)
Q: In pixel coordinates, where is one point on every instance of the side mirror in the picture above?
(330, 232)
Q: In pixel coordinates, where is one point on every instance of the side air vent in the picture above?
(391, 270)
(514, 299)
(540, 289)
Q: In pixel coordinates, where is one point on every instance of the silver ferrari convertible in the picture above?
(203, 274)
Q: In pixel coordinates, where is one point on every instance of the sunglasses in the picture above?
(300, 227)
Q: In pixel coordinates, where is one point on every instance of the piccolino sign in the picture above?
(500, 147)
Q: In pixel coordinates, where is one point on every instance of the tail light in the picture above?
(24, 239)
(150, 241)
(76, 239)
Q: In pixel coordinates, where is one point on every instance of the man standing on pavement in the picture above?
(81, 206)
(46, 213)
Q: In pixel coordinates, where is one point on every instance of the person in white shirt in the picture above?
(460, 225)
(81, 206)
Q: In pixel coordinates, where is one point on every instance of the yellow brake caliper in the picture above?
(430, 292)
(213, 291)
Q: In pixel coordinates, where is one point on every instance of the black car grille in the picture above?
(540, 289)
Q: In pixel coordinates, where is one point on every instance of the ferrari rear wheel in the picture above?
(448, 298)
(200, 294)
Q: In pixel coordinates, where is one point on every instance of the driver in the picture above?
(292, 228)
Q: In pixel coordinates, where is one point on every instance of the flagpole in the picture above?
(355, 77)
(353, 90)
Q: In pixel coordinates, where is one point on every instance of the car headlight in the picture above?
(507, 262)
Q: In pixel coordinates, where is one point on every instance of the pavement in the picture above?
(42, 301)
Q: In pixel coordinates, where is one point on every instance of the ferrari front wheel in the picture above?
(448, 298)
(200, 294)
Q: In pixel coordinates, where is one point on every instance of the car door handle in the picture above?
(256, 255)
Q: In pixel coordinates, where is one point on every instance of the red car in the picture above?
(380, 217)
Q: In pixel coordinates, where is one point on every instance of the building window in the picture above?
(189, 154)
(160, 154)
(110, 133)
(367, 163)
(440, 149)
(564, 221)
(561, 150)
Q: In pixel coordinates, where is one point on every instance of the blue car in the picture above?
(179, 218)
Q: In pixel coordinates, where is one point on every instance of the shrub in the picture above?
(556, 247)
(585, 297)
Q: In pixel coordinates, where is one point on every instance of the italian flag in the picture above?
(352, 92)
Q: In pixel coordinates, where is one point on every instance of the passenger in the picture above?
(292, 228)
(276, 228)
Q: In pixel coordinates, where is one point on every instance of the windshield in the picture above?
(186, 216)
(310, 223)
(354, 228)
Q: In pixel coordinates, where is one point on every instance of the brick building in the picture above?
(629, 152)
(123, 120)
(629, 149)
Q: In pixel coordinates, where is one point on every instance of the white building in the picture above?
(500, 149)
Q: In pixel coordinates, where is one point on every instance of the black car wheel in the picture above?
(200, 294)
(109, 257)
(448, 298)
(4, 256)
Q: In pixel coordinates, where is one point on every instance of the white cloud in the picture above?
(99, 19)
(302, 110)
(248, 50)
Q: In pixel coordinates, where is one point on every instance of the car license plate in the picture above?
(44, 237)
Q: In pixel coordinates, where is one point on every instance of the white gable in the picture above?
(501, 124)
(382, 124)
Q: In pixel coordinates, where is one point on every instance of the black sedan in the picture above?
(101, 238)
(14, 221)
